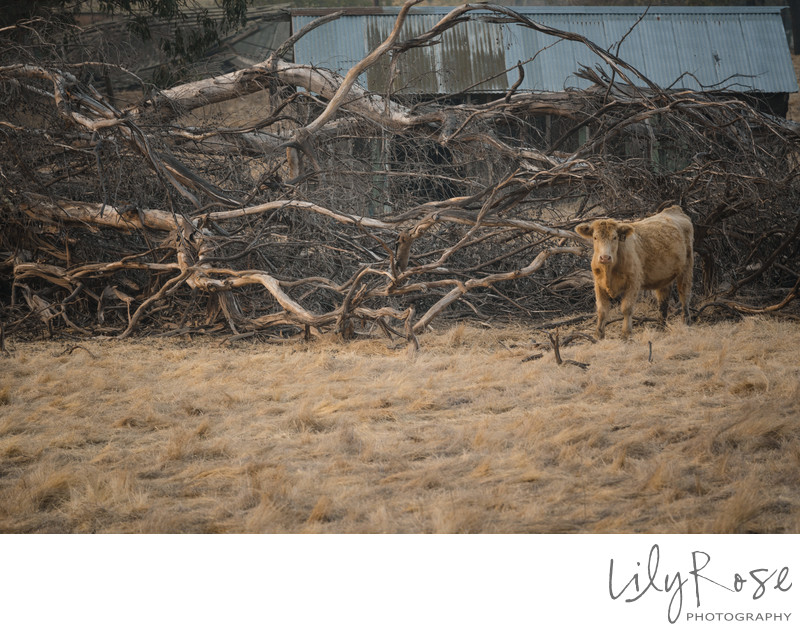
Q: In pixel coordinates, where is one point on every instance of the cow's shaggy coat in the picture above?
(646, 255)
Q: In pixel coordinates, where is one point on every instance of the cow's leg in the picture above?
(662, 295)
(684, 283)
(628, 301)
(603, 306)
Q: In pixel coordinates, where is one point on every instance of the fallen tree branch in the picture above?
(554, 343)
(748, 309)
(404, 212)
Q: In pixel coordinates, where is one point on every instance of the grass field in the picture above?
(701, 434)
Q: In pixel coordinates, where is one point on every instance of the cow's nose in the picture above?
(605, 258)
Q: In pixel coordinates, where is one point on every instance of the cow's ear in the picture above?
(624, 230)
(584, 230)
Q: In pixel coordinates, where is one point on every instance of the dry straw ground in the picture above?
(463, 436)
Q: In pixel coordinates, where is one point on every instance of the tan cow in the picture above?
(646, 255)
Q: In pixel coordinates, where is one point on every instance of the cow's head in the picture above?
(606, 235)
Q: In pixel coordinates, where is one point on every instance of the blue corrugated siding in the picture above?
(691, 47)
(337, 46)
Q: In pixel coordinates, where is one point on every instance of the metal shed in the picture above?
(741, 49)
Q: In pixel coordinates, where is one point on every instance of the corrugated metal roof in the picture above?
(678, 47)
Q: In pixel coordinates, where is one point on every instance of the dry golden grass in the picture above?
(153, 436)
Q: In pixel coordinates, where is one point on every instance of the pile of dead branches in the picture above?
(317, 206)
